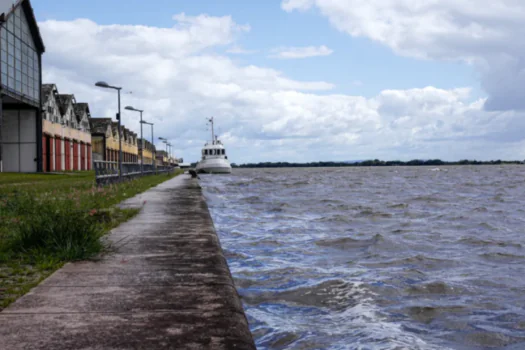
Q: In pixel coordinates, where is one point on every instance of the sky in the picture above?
(301, 80)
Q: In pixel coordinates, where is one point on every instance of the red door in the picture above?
(67, 154)
(83, 156)
(58, 154)
(88, 157)
(75, 155)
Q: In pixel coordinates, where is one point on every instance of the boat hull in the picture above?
(214, 166)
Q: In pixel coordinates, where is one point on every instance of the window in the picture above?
(20, 65)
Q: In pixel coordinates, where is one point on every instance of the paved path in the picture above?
(165, 286)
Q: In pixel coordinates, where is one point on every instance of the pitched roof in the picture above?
(80, 109)
(148, 145)
(99, 125)
(64, 100)
(7, 8)
(47, 89)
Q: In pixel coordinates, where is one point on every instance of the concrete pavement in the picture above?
(165, 285)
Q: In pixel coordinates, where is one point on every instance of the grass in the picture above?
(48, 220)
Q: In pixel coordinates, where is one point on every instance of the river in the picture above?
(376, 258)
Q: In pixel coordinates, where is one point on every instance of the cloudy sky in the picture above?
(302, 80)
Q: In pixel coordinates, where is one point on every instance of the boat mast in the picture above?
(212, 132)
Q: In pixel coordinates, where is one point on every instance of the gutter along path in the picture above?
(165, 285)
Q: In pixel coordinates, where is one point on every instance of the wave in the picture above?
(349, 243)
(501, 257)
(416, 260)
(399, 206)
(485, 243)
(438, 287)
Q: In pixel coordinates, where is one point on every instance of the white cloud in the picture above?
(301, 52)
(484, 33)
(237, 50)
(178, 78)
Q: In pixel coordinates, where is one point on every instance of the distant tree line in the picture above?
(375, 162)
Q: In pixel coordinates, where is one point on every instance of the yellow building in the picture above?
(105, 141)
(149, 151)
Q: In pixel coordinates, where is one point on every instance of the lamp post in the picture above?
(166, 142)
(129, 108)
(105, 85)
(169, 144)
(152, 143)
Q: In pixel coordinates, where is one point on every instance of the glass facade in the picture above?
(20, 67)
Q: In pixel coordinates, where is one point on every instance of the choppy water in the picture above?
(376, 258)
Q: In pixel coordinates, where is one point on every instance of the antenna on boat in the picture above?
(212, 131)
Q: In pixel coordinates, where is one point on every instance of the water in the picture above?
(376, 258)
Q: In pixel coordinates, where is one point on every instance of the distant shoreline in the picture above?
(375, 162)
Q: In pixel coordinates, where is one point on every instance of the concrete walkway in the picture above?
(165, 286)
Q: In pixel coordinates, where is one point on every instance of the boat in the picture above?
(213, 159)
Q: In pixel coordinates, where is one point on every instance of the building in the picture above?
(130, 151)
(66, 135)
(149, 151)
(21, 49)
(105, 139)
(162, 158)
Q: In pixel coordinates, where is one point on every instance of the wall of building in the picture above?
(64, 149)
(19, 151)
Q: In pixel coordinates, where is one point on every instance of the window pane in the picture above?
(4, 44)
(10, 24)
(11, 71)
(4, 34)
(11, 60)
(4, 56)
(18, 64)
(18, 76)
(10, 38)
(11, 83)
(4, 67)
(4, 79)
(18, 86)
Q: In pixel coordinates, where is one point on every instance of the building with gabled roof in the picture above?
(66, 137)
(105, 138)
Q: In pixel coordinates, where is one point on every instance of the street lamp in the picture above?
(169, 155)
(152, 143)
(105, 85)
(167, 144)
(129, 108)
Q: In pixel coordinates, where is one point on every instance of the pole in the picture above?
(119, 139)
(154, 149)
(142, 148)
(212, 132)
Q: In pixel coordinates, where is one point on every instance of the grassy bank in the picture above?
(48, 220)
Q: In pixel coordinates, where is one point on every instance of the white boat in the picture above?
(214, 159)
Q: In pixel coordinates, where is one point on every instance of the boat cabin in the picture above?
(215, 150)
